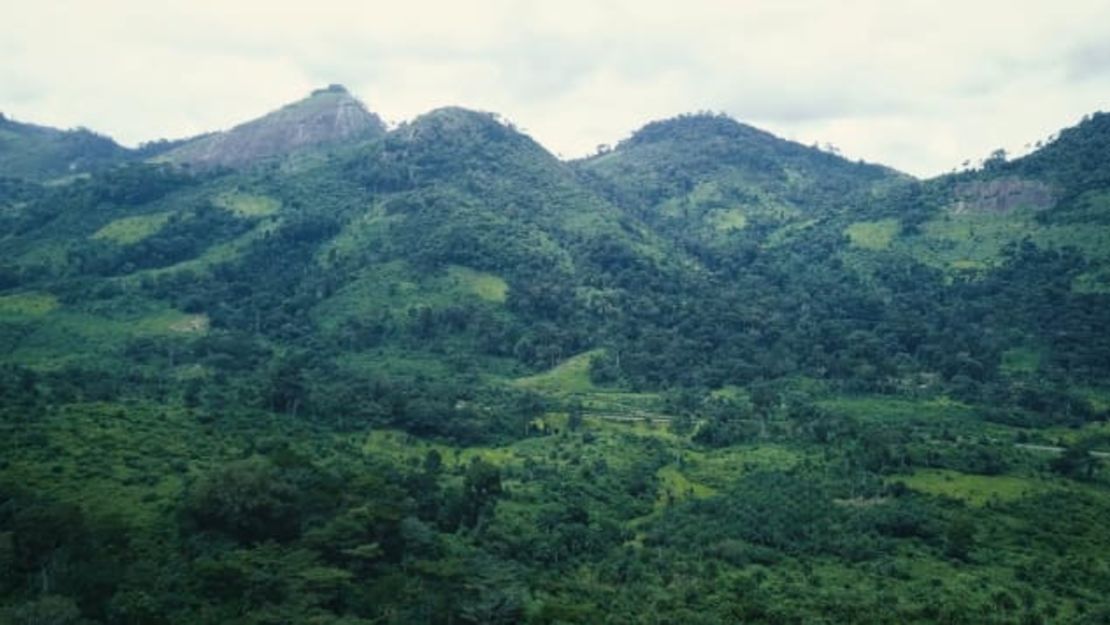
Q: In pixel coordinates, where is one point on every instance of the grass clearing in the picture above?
(728, 220)
(732, 393)
(395, 288)
(130, 230)
(487, 286)
(570, 376)
(718, 468)
(674, 486)
(877, 408)
(975, 237)
(976, 490)
(382, 287)
(248, 205)
(363, 232)
(192, 324)
(974, 241)
(977, 240)
(646, 428)
(621, 402)
(73, 336)
(570, 380)
(873, 235)
(31, 304)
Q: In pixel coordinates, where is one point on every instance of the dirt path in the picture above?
(627, 418)
(1058, 450)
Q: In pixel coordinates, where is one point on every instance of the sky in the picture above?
(918, 85)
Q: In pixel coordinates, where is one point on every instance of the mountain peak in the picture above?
(696, 127)
(332, 88)
(327, 116)
(706, 141)
(711, 161)
(455, 125)
(1075, 159)
(458, 118)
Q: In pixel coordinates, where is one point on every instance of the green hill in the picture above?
(702, 177)
(40, 153)
(650, 253)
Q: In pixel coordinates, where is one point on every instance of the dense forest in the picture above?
(437, 375)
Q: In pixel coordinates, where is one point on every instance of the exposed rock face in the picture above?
(1003, 195)
(328, 116)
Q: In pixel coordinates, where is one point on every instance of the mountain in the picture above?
(482, 173)
(698, 222)
(1074, 162)
(39, 152)
(436, 374)
(715, 174)
(967, 222)
(327, 117)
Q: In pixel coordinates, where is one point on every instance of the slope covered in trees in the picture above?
(39, 152)
(437, 375)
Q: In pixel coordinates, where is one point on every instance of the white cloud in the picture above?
(917, 85)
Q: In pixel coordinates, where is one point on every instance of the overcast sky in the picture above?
(921, 86)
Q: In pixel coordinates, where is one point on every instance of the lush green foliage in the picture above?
(39, 153)
(442, 377)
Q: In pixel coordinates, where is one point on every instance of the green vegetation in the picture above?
(1020, 360)
(40, 153)
(129, 230)
(485, 285)
(977, 490)
(27, 304)
(246, 205)
(979, 240)
(873, 235)
(570, 376)
(733, 219)
(888, 409)
(436, 375)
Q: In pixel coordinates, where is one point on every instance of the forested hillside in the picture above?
(315, 370)
(38, 152)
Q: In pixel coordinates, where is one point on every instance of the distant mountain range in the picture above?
(698, 252)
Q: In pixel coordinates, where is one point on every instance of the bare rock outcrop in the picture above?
(1002, 195)
(328, 116)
